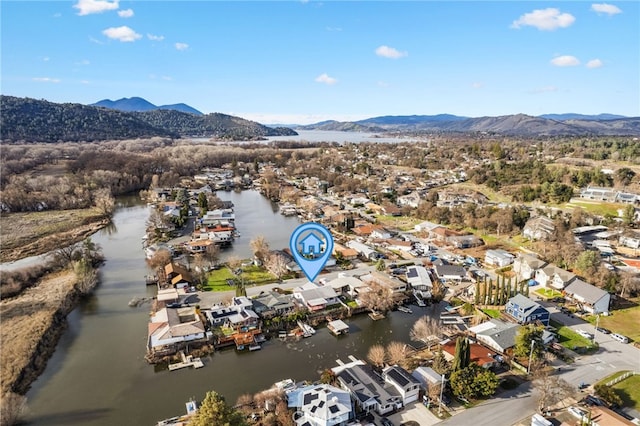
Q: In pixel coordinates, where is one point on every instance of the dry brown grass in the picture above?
(29, 234)
(26, 319)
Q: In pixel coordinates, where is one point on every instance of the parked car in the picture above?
(593, 400)
(386, 422)
(602, 330)
(577, 412)
(620, 338)
(585, 334)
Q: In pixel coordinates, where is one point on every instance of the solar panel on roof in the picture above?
(412, 273)
(334, 409)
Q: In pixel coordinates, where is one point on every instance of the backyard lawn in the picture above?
(548, 292)
(622, 321)
(493, 313)
(251, 274)
(572, 340)
(629, 391)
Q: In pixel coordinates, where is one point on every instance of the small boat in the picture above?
(405, 309)
(255, 347)
(307, 330)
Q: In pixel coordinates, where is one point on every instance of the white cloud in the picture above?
(46, 59)
(126, 13)
(609, 9)
(124, 34)
(181, 46)
(595, 63)
(390, 52)
(46, 79)
(545, 19)
(85, 82)
(83, 62)
(477, 85)
(324, 78)
(565, 61)
(95, 40)
(87, 7)
(155, 37)
(544, 89)
(57, 15)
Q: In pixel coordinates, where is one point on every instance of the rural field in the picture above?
(622, 321)
(33, 233)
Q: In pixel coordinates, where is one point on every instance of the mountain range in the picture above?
(32, 120)
(514, 125)
(140, 105)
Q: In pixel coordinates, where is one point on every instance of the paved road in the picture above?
(507, 408)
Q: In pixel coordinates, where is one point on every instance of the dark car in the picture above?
(603, 330)
(593, 400)
(386, 422)
(446, 400)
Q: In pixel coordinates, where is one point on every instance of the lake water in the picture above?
(343, 137)
(98, 375)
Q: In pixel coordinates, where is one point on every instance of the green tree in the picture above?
(473, 382)
(380, 265)
(214, 410)
(629, 215)
(203, 202)
(608, 394)
(525, 336)
(440, 364)
(587, 262)
(462, 354)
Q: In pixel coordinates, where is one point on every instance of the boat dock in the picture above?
(307, 330)
(338, 327)
(187, 361)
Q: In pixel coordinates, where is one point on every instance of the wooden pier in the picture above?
(187, 361)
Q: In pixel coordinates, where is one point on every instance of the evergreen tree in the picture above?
(203, 203)
(215, 411)
(490, 292)
(462, 354)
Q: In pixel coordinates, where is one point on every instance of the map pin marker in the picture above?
(311, 246)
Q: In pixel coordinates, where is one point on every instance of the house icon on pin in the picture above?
(311, 245)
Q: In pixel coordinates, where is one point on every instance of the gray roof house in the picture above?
(272, 303)
(538, 228)
(552, 276)
(367, 389)
(589, 297)
(321, 405)
(498, 335)
(427, 377)
(525, 310)
(407, 385)
(450, 272)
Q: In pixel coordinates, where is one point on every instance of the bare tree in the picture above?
(260, 248)
(12, 407)
(378, 298)
(424, 330)
(234, 262)
(160, 259)
(277, 264)
(212, 254)
(103, 200)
(396, 352)
(376, 355)
(552, 389)
(434, 391)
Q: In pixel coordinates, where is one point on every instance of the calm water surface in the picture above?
(98, 375)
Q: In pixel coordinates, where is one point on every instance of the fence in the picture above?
(621, 378)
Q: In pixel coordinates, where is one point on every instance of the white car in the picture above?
(577, 412)
(620, 338)
(585, 334)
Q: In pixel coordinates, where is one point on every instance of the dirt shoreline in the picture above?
(49, 243)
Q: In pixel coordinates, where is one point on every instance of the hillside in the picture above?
(32, 120)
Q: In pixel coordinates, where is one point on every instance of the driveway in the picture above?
(414, 412)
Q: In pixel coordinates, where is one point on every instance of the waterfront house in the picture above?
(396, 286)
(366, 387)
(588, 297)
(526, 265)
(524, 310)
(498, 257)
(496, 334)
(315, 297)
(320, 405)
(346, 285)
(427, 377)
(406, 385)
(238, 314)
(450, 272)
(170, 328)
(271, 304)
(479, 354)
(419, 279)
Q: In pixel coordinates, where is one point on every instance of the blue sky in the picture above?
(308, 61)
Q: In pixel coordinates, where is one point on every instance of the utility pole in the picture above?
(441, 391)
(533, 342)
(596, 329)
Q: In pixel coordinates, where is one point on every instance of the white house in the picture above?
(419, 279)
(588, 297)
(406, 385)
(496, 334)
(363, 250)
(170, 326)
(526, 265)
(320, 405)
(427, 377)
(315, 297)
(538, 228)
(552, 276)
(498, 257)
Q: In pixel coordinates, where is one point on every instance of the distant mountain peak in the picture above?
(138, 104)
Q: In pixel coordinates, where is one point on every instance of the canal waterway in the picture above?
(98, 376)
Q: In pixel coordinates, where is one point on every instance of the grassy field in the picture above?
(572, 340)
(251, 275)
(548, 292)
(596, 208)
(28, 234)
(493, 313)
(629, 391)
(623, 321)
(403, 223)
